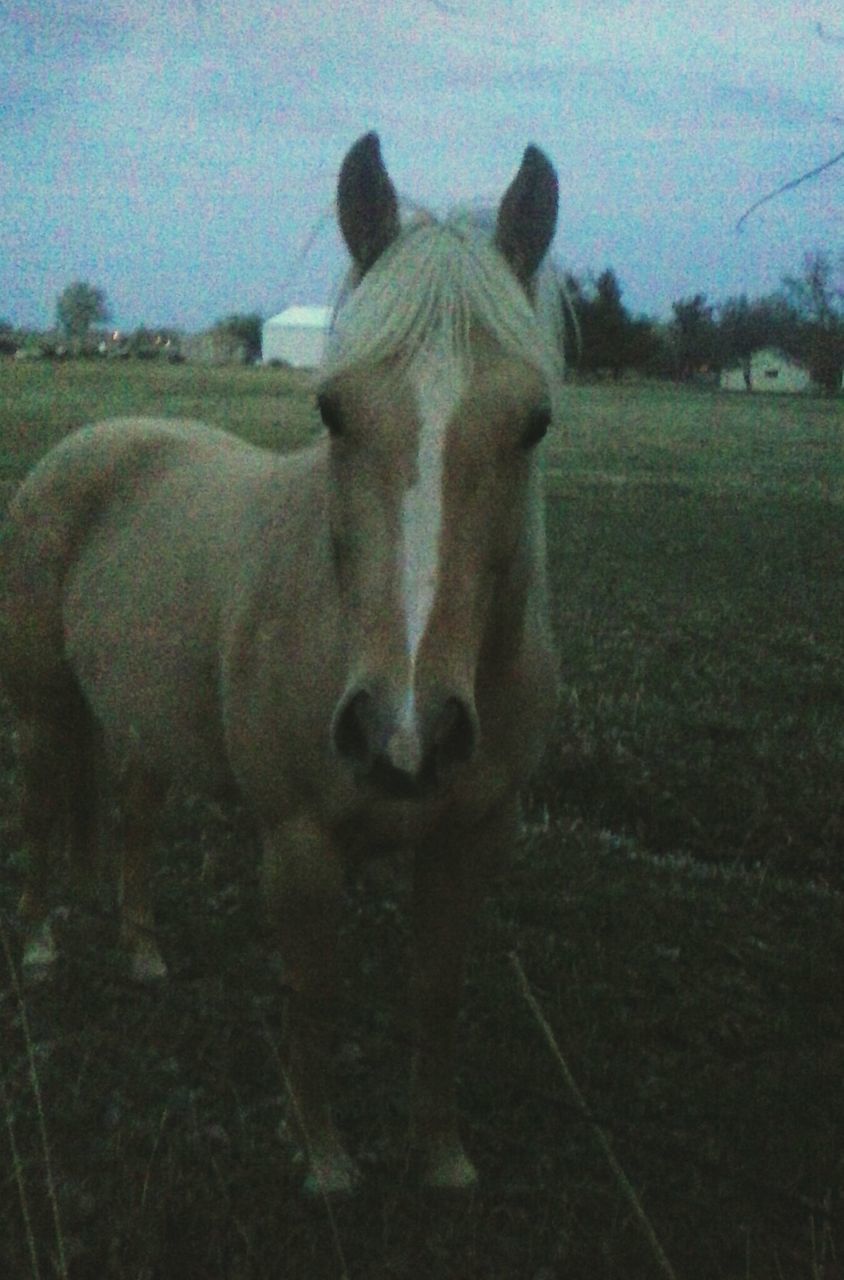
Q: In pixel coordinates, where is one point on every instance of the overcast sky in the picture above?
(179, 153)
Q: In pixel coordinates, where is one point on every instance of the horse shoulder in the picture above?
(281, 670)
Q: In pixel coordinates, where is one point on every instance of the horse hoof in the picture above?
(335, 1178)
(39, 957)
(452, 1171)
(36, 972)
(148, 969)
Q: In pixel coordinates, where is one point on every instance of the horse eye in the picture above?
(538, 424)
(329, 411)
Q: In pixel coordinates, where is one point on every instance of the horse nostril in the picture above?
(456, 733)
(351, 730)
(400, 761)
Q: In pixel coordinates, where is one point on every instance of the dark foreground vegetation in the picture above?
(676, 905)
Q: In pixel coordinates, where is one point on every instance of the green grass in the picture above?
(721, 443)
(703, 672)
(676, 905)
(41, 402)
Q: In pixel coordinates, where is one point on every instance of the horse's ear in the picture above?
(527, 215)
(367, 205)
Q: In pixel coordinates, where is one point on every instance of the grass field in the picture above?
(676, 904)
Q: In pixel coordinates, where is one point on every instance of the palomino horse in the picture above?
(355, 636)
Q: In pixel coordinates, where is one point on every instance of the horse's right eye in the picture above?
(329, 411)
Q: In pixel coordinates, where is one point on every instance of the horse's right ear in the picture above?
(367, 204)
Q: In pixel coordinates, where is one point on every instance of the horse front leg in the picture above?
(140, 798)
(57, 809)
(449, 878)
(43, 798)
(303, 883)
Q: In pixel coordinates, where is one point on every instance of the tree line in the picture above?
(804, 319)
(82, 306)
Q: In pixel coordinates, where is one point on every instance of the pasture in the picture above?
(676, 904)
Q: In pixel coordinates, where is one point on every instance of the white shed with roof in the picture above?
(767, 370)
(296, 336)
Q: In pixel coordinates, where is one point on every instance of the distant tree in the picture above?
(142, 344)
(245, 329)
(146, 343)
(608, 321)
(693, 335)
(817, 295)
(610, 339)
(574, 302)
(818, 292)
(78, 307)
(645, 346)
(8, 344)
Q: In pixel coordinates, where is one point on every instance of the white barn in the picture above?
(296, 336)
(769, 370)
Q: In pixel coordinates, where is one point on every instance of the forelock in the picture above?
(435, 284)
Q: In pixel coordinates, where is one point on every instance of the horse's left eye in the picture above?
(538, 424)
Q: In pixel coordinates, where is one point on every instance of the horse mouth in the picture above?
(397, 784)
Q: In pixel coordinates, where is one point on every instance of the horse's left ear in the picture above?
(527, 215)
(367, 204)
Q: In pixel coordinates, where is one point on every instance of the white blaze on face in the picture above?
(437, 382)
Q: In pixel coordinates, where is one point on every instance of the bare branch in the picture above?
(789, 186)
(583, 1107)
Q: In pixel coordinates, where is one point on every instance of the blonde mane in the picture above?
(435, 282)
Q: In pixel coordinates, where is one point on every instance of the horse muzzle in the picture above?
(405, 757)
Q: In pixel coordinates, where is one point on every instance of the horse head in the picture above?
(435, 395)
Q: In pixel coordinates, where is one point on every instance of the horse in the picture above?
(354, 637)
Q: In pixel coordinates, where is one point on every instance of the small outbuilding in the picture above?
(213, 347)
(296, 336)
(767, 370)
